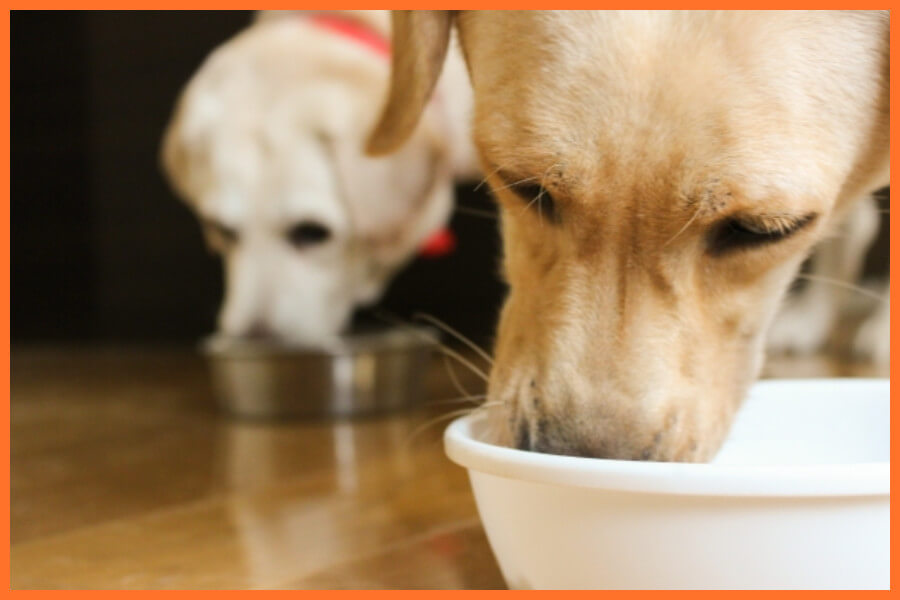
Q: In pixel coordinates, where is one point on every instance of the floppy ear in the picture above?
(419, 39)
(174, 155)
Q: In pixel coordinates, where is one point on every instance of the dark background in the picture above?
(101, 249)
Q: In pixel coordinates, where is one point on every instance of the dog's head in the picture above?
(661, 177)
(266, 146)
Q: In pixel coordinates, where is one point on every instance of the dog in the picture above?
(810, 317)
(661, 177)
(266, 147)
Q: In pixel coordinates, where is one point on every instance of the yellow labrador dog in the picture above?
(266, 147)
(662, 175)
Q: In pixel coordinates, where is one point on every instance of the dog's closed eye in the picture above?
(307, 233)
(743, 233)
(533, 194)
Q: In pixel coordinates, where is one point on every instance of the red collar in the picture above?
(354, 30)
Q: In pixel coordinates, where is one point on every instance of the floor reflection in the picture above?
(309, 495)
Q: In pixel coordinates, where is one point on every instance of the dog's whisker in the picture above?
(486, 177)
(531, 203)
(456, 334)
(475, 212)
(451, 374)
(684, 227)
(515, 183)
(394, 320)
(470, 398)
(540, 194)
(463, 361)
(440, 419)
(844, 285)
(540, 206)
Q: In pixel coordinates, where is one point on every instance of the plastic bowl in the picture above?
(798, 497)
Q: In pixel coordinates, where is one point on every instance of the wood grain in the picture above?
(125, 476)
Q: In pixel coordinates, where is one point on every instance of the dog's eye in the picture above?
(739, 234)
(537, 198)
(308, 233)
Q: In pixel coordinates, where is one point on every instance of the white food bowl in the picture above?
(798, 497)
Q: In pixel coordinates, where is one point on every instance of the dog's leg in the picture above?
(809, 316)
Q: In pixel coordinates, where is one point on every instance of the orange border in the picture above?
(231, 5)
(363, 5)
(5, 249)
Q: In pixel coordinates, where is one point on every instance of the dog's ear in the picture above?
(419, 39)
(183, 143)
(173, 156)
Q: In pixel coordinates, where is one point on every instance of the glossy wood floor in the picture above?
(125, 476)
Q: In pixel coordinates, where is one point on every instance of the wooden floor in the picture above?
(125, 476)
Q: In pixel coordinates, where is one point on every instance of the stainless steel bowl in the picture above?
(359, 374)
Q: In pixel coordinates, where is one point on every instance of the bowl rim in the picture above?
(697, 479)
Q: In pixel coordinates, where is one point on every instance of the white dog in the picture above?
(266, 146)
(661, 177)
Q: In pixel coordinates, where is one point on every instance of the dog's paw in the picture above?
(802, 327)
(873, 338)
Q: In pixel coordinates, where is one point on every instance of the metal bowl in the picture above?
(358, 374)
